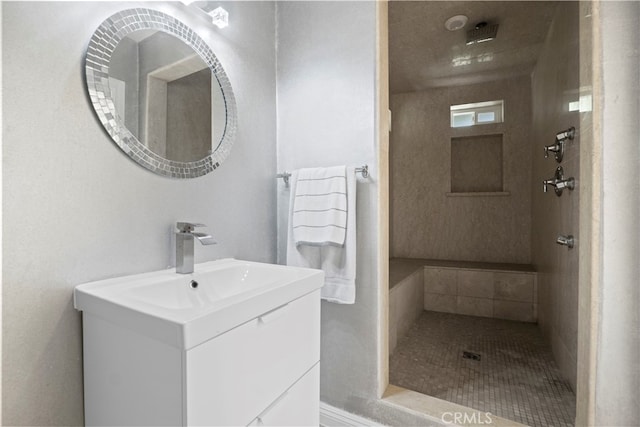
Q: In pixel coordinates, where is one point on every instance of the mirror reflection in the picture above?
(167, 96)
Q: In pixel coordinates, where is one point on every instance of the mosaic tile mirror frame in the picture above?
(100, 50)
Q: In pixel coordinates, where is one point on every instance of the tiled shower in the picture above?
(488, 251)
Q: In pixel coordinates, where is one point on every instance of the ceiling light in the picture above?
(456, 22)
(220, 17)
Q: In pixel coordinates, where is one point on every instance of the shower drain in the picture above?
(471, 355)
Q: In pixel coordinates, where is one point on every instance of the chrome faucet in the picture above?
(184, 245)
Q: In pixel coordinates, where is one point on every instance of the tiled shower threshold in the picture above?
(441, 412)
(515, 381)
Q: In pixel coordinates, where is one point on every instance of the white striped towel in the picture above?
(337, 262)
(320, 207)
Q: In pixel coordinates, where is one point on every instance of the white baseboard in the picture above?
(331, 416)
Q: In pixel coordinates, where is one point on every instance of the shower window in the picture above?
(478, 113)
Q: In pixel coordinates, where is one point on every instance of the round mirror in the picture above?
(160, 93)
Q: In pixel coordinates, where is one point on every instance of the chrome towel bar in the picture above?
(364, 170)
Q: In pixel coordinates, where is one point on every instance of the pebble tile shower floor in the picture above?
(516, 377)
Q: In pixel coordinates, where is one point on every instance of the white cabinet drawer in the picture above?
(298, 406)
(235, 376)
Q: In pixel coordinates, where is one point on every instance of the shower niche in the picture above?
(476, 165)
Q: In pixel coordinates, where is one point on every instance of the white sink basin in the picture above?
(169, 307)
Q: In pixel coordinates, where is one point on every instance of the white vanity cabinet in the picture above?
(264, 371)
(255, 369)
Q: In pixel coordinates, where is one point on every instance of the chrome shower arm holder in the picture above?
(566, 134)
(558, 146)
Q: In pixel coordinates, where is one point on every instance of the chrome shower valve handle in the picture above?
(559, 183)
(555, 148)
(558, 146)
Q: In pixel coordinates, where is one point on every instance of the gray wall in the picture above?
(426, 221)
(76, 209)
(556, 82)
(326, 58)
(326, 99)
(189, 117)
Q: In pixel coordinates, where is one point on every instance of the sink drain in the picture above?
(193, 284)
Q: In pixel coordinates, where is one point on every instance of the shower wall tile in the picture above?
(405, 314)
(514, 287)
(555, 83)
(482, 307)
(393, 330)
(565, 358)
(418, 298)
(440, 302)
(481, 292)
(406, 303)
(440, 281)
(424, 221)
(513, 310)
(473, 283)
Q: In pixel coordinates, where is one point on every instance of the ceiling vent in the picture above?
(483, 32)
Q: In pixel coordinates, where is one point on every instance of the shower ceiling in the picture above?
(424, 54)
